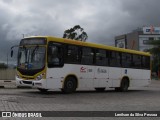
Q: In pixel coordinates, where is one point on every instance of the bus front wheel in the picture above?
(70, 85)
(42, 90)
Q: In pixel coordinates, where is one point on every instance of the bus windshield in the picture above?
(31, 57)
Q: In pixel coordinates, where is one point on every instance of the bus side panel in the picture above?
(84, 74)
(115, 76)
(54, 78)
(139, 77)
(147, 76)
(101, 78)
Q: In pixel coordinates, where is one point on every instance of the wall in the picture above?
(7, 74)
(133, 41)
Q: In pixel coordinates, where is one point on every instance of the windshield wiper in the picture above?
(35, 49)
(33, 53)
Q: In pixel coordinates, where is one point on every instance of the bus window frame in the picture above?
(60, 56)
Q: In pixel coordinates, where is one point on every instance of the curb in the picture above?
(11, 84)
(8, 84)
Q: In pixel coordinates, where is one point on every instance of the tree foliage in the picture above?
(155, 51)
(76, 33)
(156, 47)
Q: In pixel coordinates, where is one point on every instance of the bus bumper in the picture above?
(31, 83)
(39, 84)
(23, 83)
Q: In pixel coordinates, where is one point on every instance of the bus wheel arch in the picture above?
(125, 83)
(70, 84)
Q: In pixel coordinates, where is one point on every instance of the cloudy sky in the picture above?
(101, 19)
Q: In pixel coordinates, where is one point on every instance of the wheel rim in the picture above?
(70, 84)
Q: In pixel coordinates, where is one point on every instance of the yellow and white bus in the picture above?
(49, 63)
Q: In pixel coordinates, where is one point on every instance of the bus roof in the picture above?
(89, 44)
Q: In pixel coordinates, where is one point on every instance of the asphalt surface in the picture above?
(136, 99)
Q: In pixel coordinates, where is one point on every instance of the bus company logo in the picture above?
(83, 70)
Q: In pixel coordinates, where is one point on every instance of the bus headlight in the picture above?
(18, 76)
(39, 77)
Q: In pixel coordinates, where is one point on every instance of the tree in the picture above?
(155, 51)
(76, 33)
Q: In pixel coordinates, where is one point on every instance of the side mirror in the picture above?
(11, 53)
(12, 49)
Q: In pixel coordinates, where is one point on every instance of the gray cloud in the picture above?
(101, 19)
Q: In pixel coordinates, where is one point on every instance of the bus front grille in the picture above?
(27, 82)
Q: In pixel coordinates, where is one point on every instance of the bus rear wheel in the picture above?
(118, 89)
(70, 85)
(124, 85)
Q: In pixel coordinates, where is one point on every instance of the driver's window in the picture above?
(55, 55)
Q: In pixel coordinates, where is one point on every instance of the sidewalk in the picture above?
(8, 84)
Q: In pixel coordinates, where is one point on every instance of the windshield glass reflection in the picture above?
(31, 57)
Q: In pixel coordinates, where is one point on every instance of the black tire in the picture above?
(118, 89)
(70, 85)
(100, 89)
(42, 90)
(124, 85)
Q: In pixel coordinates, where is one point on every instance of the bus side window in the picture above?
(146, 62)
(126, 60)
(87, 56)
(72, 54)
(115, 59)
(101, 57)
(55, 55)
(137, 61)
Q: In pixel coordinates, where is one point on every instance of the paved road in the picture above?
(136, 99)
